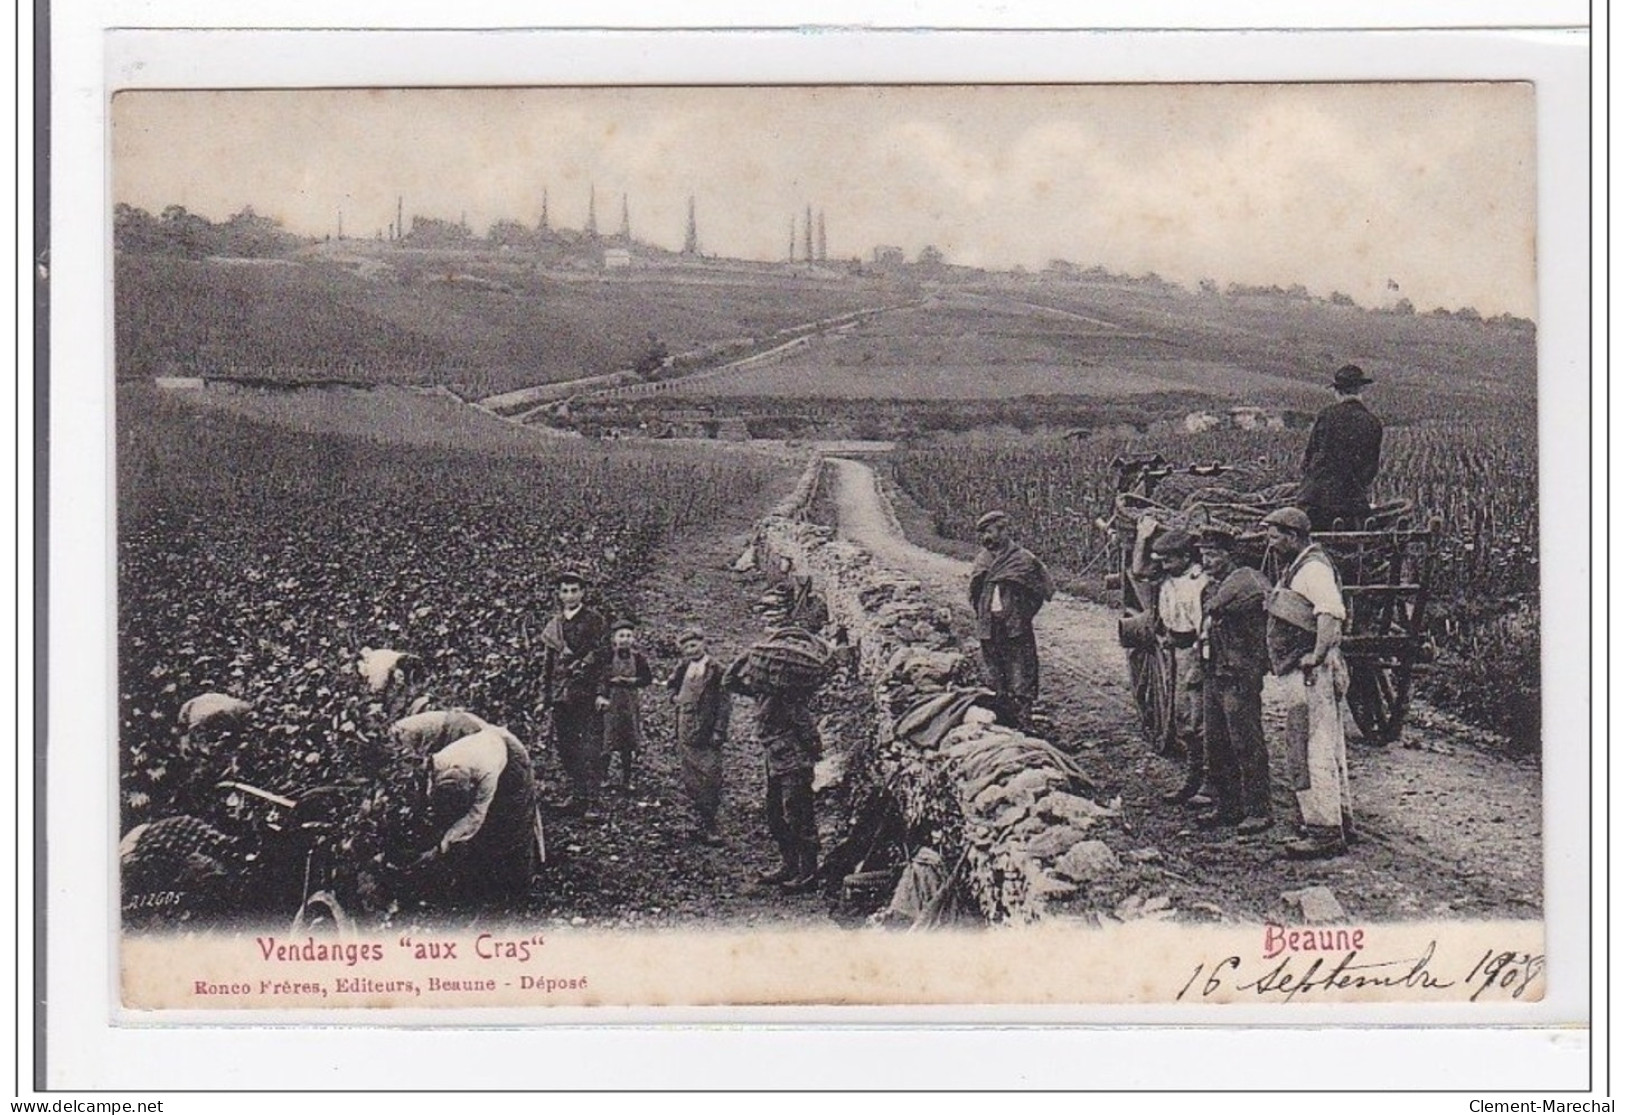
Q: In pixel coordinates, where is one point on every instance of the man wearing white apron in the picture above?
(1306, 614)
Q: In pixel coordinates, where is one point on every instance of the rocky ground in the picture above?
(637, 867)
(1448, 828)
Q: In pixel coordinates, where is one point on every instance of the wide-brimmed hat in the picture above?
(1350, 377)
(1288, 518)
(1216, 536)
(1171, 542)
(990, 518)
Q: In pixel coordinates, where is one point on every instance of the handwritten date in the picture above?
(1497, 974)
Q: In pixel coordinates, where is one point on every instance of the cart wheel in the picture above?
(1378, 696)
(1151, 670)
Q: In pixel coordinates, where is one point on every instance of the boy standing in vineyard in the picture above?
(575, 690)
(702, 726)
(626, 674)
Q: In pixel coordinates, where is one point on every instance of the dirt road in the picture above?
(1448, 830)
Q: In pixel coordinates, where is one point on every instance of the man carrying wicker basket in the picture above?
(781, 673)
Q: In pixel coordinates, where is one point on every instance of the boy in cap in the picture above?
(626, 672)
(1305, 627)
(702, 726)
(1340, 461)
(1008, 585)
(1234, 660)
(574, 689)
(1179, 615)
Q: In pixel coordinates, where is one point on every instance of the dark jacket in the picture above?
(785, 726)
(704, 725)
(1340, 462)
(1234, 622)
(1023, 586)
(576, 675)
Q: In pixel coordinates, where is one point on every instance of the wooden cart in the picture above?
(1385, 567)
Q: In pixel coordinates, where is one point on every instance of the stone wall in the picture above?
(1011, 807)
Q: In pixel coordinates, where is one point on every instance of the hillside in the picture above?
(482, 322)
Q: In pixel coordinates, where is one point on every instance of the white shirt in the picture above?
(696, 668)
(1179, 602)
(1316, 582)
(570, 613)
(476, 761)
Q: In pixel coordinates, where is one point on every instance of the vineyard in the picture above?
(1479, 478)
(258, 561)
(482, 323)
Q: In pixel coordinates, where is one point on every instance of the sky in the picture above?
(1380, 191)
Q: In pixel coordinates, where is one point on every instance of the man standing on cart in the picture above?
(1008, 584)
(1305, 626)
(1340, 461)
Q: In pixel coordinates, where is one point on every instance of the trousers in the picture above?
(578, 731)
(1238, 759)
(1189, 712)
(1317, 752)
(790, 819)
(1010, 669)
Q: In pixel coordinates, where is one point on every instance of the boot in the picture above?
(1321, 843)
(788, 869)
(1192, 787)
(806, 877)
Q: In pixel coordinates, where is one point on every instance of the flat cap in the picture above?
(573, 576)
(990, 518)
(1288, 518)
(623, 624)
(690, 633)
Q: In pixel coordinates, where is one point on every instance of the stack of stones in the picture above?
(1011, 805)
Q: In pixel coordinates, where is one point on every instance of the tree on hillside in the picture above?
(930, 256)
(247, 234)
(432, 232)
(508, 233)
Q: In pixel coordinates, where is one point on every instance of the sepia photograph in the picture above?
(828, 545)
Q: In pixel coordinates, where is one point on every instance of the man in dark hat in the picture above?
(575, 690)
(1304, 629)
(1234, 660)
(1008, 585)
(1340, 461)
